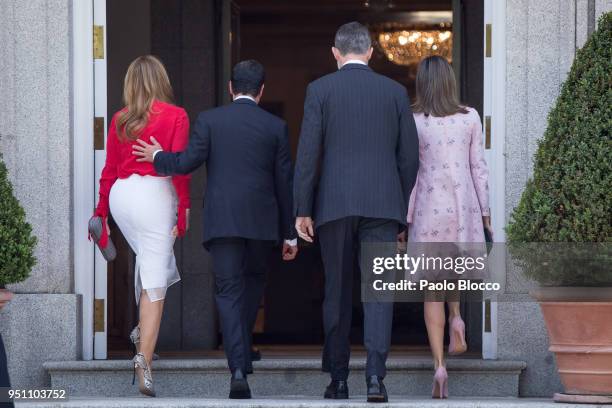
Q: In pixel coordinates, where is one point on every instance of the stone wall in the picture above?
(542, 37)
(36, 130)
(37, 328)
(36, 142)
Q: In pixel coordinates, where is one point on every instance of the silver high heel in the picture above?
(135, 339)
(145, 378)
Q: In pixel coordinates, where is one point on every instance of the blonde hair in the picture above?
(146, 80)
(436, 89)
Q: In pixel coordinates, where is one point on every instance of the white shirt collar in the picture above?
(245, 97)
(354, 61)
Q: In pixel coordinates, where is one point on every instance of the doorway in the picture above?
(184, 34)
(198, 41)
(292, 40)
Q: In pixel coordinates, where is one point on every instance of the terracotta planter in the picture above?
(579, 323)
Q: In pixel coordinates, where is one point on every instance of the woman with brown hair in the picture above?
(449, 203)
(150, 210)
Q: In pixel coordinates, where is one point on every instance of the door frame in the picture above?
(89, 101)
(83, 165)
(494, 107)
(100, 114)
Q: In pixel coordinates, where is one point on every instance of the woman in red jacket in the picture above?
(143, 204)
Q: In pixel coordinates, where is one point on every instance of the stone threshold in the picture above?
(299, 402)
(298, 364)
(274, 377)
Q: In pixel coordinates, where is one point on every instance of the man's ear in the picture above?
(260, 94)
(370, 52)
(230, 88)
(337, 53)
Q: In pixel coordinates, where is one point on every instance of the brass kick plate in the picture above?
(98, 42)
(98, 133)
(98, 315)
(487, 132)
(487, 316)
(488, 38)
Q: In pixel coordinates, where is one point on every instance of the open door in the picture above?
(468, 64)
(100, 126)
(494, 134)
(186, 36)
(483, 59)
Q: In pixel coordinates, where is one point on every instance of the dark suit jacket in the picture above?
(249, 171)
(358, 153)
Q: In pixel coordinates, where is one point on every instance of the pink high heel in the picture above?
(440, 383)
(457, 336)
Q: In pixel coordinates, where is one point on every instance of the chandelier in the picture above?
(408, 45)
(379, 5)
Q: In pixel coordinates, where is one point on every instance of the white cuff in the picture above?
(291, 242)
(155, 152)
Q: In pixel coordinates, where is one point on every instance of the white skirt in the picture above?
(144, 208)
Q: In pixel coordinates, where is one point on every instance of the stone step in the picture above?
(298, 403)
(209, 378)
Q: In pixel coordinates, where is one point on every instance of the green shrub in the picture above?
(16, 240)
(569, 198)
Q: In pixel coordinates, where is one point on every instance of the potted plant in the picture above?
(16, 240)
(561, 231)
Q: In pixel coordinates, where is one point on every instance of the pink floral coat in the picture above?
(451, 194)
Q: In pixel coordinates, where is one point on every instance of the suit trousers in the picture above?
(4, 376)
(340, 242)
(240, 267)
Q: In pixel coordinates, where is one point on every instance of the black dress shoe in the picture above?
(239, 387)
(255, 354)
(337, 389)
(376, 389)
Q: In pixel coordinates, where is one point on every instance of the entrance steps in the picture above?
(282, 378)
(355, 402)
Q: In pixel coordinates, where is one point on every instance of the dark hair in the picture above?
(436, 89)
(353, 38)
(248, 77)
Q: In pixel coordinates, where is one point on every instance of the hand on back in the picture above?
(145, 151)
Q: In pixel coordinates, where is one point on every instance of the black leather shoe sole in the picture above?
(377, 398)
(255, 355)
(240, 390)
(335, 395)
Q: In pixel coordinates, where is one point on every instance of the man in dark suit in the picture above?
(356, 166)
(247, 204)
